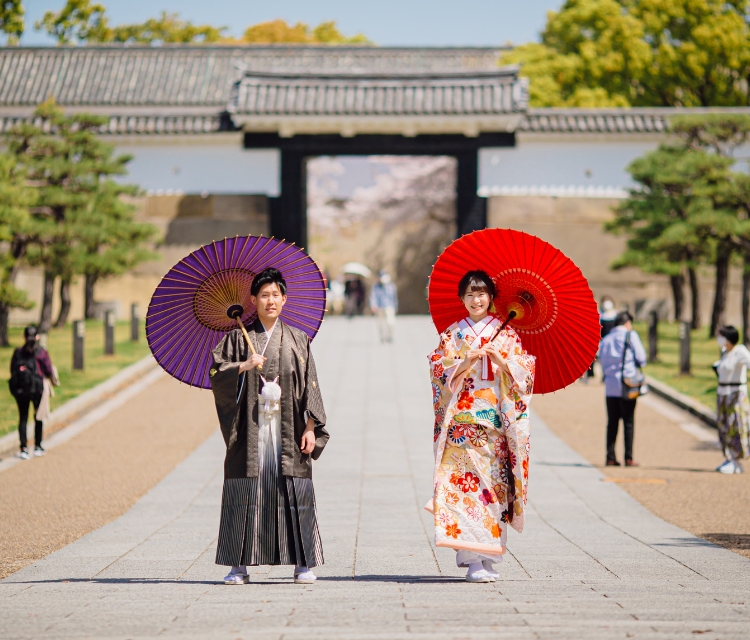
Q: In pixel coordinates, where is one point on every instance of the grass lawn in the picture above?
(701, 384)
(60, 346)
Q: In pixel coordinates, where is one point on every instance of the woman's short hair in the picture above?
(730, 333)
(30, 332)
(476, 281)
(268, 276)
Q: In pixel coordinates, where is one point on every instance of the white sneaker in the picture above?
(236, 576)
(479, 575)
(303, 575)
(39, 451)
(727, 467)
(491, 570)
(24, 454)
(738, 467)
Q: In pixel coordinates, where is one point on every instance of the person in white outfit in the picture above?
(732, 405)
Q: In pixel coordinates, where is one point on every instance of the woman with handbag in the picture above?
(622, 356)
(732, 406)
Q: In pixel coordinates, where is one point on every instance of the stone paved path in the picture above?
(592, 562)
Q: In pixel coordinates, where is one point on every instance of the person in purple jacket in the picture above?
(621, 353)
(29, 366)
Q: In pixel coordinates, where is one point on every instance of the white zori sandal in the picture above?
(238, 575)
(477, 573)
(303, 575)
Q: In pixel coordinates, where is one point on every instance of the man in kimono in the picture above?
(272, 435)
(482, 381)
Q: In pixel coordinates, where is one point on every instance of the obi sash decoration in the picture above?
(478, 334)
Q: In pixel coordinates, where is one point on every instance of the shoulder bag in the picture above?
(636, 385)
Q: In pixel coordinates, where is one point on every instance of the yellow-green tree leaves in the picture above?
(279, 32)
(82, 21)
(600, 53)
(11, 20)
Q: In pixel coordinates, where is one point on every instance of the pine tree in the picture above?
(16, 233)
(671, 219)
(71, 168)
(110, 241)
(720, 134)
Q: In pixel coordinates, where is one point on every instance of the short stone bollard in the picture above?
(79, 335)
(109, 333)
(684, 348)
(653, 336)
(135, 322)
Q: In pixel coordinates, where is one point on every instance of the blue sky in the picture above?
(387, 22)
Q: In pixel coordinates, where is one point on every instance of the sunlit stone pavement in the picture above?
(592, 563)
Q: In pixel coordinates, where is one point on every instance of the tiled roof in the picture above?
(197, 75)
(146, 124)
(494, 92)
(635, 120)
(186, 89)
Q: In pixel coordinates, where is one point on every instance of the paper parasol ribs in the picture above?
(207, 294)
(555, 311)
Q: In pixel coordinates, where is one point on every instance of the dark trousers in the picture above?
(619, 409)
(23, 417)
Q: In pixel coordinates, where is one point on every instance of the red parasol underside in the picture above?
(557, 317)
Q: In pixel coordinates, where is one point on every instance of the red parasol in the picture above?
(556, 315)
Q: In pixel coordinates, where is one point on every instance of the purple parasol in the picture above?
(207, 294)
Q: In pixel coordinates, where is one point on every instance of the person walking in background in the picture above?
(607, 315)
(384, 304)
(29, 366)
(354, 293)
(732, 406)
(621, 355)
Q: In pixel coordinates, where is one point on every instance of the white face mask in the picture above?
(608, 305)
(723, 342)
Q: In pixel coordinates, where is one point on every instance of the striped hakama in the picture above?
(271, 519)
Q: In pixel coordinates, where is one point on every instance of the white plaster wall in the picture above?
(217, 165)
(561, 162)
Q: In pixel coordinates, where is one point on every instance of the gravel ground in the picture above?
(47, 503)
(695, 497)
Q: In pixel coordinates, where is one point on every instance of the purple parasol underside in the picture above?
(187, 316)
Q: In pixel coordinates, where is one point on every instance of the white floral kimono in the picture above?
(481, 439)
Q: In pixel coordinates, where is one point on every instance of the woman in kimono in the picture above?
(732, 406)
(481, 392)
(273, 422)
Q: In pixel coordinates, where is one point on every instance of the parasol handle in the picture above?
(247, 338)
(510, 317)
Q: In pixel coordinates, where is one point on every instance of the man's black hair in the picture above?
(30, 332)
(730, 333)
(268, 276)
(623, 318)
(476, 281)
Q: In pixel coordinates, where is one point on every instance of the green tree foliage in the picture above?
(691, 208)
(16, 233)
(601, 53)
(659, 217)
(111, 242)
(280, 32)
(11, 20)
(84, 22)
(71, 169)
